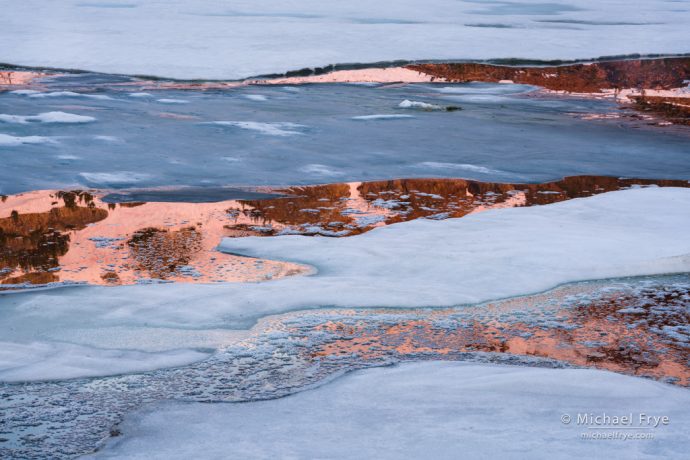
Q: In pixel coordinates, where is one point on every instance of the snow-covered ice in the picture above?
(418, 105)
(20, 362)
(217, 40)
(440, 410)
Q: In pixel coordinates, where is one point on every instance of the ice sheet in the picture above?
(219, 40)
(421, 410)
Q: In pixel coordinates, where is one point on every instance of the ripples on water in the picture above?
(309, 134)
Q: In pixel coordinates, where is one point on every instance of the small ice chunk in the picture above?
(46, 117)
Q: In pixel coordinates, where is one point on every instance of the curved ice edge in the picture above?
(469, 358)
(570, 384)
(312, 71)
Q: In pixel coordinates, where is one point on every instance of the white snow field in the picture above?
(434, 410)
(485, 256)
(214, 39)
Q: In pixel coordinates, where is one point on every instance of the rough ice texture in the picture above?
(58, 360)
(422, 410)
(490, 255)
(213, 39)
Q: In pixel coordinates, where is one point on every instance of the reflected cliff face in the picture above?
(75, 237)
(49, 237)
(353, 208)
(639, 331)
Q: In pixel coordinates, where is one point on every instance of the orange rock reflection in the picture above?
(612, 332)
(49, 236)
(350, 209)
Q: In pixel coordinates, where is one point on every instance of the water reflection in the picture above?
(353, 208)
(77, 237)
(640, 331)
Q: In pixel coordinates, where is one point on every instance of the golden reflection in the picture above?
(74, 236)
(49, 236)
(600, 333)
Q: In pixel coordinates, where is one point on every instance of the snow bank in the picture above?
(211, 39)
(46, 117)
(57, 360)
(490, 255)
(439, 410)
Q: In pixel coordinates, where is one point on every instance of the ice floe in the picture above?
(385, 116)
(40, 94)
(172, 101)
(46, 117)
(174, 39)
(408, 104)
(459, 166)
(270, 129)
(114, 178)
(256, 97)
(441, 410)
(321, 170)
(7, 140)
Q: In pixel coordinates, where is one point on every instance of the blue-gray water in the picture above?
(502, 134)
